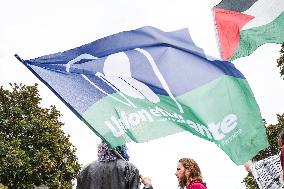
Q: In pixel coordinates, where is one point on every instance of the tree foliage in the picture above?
(280, 61)
(272, 132)
(33, 149)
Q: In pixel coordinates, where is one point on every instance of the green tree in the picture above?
(280, 61)
(272, 132)
(34, 151)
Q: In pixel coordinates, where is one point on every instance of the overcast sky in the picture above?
(33, 28)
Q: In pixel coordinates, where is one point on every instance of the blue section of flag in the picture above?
(140, 38)
(83, 75)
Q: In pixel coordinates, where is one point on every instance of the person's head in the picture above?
(281, 139)
(187, 171)
(106, 153)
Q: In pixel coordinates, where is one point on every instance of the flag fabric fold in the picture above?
(244, 25)
(144, 84)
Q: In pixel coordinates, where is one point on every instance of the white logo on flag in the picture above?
(117, 74)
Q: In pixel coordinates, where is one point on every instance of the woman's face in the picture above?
(181, 174)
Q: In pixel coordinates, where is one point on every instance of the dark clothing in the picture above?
(282, 156)
(282, 159)
(196, 185)
(117, 174)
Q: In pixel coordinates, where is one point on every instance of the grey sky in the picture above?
(34, 28)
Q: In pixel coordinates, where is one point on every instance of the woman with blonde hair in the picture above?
(189, 175)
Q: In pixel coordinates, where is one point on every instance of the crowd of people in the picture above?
(112, 170)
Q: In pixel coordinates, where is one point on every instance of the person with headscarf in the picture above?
(189, 175)
(112, 170)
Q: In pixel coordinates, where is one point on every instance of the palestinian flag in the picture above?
(245, 25)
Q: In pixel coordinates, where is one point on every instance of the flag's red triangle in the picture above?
(229, 24)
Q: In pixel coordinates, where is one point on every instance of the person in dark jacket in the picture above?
(112, 170)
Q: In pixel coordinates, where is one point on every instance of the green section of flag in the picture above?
(224, 97)
(253, 38)
(120, 124)
(223, 111)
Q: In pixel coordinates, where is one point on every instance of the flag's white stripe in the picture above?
(264, 11)
(86, 78)
(102, 77)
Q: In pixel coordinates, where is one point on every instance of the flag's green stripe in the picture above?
(231, 95)
(209, 104)
(253, 38)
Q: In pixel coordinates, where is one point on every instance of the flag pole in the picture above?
(19, 58)
(118, 154)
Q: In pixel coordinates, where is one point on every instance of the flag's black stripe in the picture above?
(236, 5)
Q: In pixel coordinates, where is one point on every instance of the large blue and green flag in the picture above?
(144, 84)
